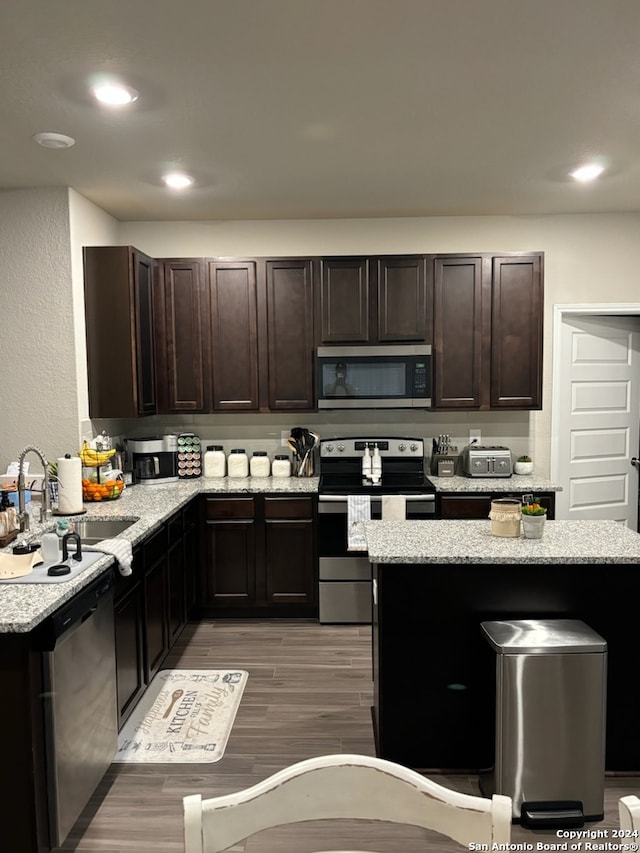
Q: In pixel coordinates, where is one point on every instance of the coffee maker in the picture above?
(154, 459)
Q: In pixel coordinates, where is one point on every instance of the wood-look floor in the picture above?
(309, 693)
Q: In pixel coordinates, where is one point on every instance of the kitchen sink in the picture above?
(92, 530)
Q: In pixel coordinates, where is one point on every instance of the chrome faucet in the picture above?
(45, 509)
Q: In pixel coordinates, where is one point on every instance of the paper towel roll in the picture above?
(69, 484)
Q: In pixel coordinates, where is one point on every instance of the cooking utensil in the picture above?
(174, 698)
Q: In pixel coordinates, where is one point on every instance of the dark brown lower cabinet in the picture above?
(153, 604)
(474, 505)
(156, 603)
(259, 556)
(129, 630)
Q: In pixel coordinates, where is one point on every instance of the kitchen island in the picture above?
(436, 581)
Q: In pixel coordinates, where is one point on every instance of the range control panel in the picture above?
(337, 447)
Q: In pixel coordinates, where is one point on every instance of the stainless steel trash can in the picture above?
(550, 720)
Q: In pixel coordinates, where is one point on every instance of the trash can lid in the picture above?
(542, 636)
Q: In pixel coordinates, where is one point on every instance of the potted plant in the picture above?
(534, 517)
(524, 465)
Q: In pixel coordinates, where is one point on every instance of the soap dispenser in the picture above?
(366, 464)
(376, 465)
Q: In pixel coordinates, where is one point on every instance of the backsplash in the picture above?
(263, 432)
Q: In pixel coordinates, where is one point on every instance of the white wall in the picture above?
(37, 357)
(42, 351)
(588, 258)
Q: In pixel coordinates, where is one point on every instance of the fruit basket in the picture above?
(109, 490)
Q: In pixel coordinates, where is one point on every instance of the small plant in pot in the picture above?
(524, 465)
(533, 518)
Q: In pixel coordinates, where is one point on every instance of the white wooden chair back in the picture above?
(629, 811)
(344, 786)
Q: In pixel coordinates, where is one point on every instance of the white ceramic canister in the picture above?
(260, 466)
(505, 517)
(281, 466)
(238, 463)
(215, 462)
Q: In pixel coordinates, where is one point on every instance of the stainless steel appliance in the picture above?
(380, 377)
(81, 719)
(479, 461)
(345, 576)
(154, 459)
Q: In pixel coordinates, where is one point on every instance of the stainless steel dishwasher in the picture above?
(80, 711)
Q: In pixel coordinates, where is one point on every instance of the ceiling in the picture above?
(286, 109)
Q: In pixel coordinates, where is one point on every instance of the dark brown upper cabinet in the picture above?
(289, 335)
(181, 340)
(488, 319)
(120, 334)
(232, 293)
(373, 300)
(516, 332)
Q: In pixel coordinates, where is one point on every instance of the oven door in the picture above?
(345, 576)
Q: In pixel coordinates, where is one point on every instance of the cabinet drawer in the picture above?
(230, 508)
(288, 507)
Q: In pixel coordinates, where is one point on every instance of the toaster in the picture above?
(479, 461)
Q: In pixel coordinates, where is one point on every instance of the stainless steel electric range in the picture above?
(345, 576)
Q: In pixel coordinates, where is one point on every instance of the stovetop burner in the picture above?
(391, 484)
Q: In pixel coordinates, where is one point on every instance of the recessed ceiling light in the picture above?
(53, 140)
(588, 172)
(114, 94)
(177, 180)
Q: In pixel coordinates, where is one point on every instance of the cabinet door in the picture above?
(176, 596)
(233, 326)
(402, 306)
(191, 557)
(181, 342)
(119, 326)
(457, 332)
(290, 574)
(156, 603)
(344, 301)
(516, 332)
(290, 335)
(130, 678)
(229, 576)
(144, 322)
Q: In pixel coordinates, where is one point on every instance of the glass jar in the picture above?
(281, 466)
(215, 462)
(260, 465)
(238, 463)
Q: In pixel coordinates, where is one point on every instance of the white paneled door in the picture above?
(599, 418)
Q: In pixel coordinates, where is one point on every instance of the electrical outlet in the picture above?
(284, 435)
(475, 436)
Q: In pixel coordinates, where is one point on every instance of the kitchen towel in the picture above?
(70, 485)
(119, 548)
(394, 508)
(358, 511)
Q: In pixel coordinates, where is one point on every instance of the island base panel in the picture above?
(434, 702)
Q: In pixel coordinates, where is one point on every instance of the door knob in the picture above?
(635, 462)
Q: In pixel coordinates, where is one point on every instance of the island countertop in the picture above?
(453, 541)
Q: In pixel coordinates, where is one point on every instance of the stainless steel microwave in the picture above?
(374, 377)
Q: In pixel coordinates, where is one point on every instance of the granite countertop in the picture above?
(448, 541)
(515, 483)
(23, 606)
